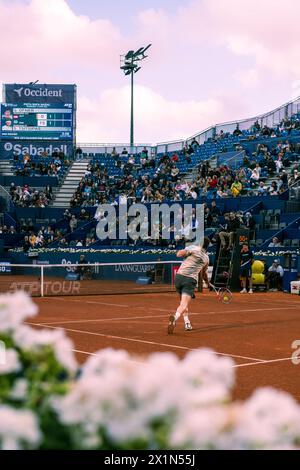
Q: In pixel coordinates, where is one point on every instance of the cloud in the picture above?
(265, 30)
(248, 78)
(43, 36)
(157, 119)
(203, 56)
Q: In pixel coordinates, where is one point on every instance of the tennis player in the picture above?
(196, 261)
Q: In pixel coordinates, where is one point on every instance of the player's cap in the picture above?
(276, 261)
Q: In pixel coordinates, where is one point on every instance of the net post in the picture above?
(42, 281)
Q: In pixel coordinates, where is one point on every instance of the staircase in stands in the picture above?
(71, 181)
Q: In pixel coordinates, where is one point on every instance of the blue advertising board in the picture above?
(37, 121)
(10, 148)
(39, 93)
(5, 267)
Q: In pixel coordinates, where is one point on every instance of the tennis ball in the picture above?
(226, 298)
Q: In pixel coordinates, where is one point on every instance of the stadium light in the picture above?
(129, 63)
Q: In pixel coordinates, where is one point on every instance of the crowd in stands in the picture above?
(40, 165)
(4, 229)
(147, 178)
(57, 236)
(284, 128)
(167, 184)
(25, 196)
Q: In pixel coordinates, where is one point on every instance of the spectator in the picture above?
(174, 158)
(275, 243)
(83, 271)
(236, 188)
(273, 189)
(274, 276)
(73, 223)
(67, 215)
(214, 210)
(237, 131)
(114, 153)
(78, 152)
(294, 178)
(84, 215)
(12, 230)
(229, 231)
(250, 224)
(255, 175)
(26, 244)
(32, 239)
(144, 153)
(63, 243)
(262, 189)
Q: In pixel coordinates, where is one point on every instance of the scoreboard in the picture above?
(37, 121)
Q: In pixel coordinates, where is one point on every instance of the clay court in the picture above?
(256, 331)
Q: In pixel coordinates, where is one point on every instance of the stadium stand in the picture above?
(246, 171)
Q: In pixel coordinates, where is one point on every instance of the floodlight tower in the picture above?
(129, 63)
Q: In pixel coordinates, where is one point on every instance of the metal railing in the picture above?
(234, 162)
(270, 119)
(108, 148)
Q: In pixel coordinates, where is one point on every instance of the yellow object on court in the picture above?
(258, 278)
(257, 267)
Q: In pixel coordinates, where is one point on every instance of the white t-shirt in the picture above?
(195, 261)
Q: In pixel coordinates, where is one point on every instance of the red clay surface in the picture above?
(257, 330)
(54, 286)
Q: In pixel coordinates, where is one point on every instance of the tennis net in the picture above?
(90, 278)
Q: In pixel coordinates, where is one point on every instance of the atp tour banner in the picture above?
(39, 93)
(9, 149)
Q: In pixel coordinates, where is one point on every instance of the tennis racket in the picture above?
(224, 294)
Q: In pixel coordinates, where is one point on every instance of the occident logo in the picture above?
(38, 92)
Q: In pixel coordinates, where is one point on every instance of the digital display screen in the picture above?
(37, 121)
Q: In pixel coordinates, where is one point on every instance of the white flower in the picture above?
(81, 404)
(209, 377)
(29, 338)
(105, 360)
(269, 419)
(18, 427)
(200, 429)
(11, 363)
(19, 390)
(14, 308)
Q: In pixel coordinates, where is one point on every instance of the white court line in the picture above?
(229, 311)
(104, 303)
(145, 317)
(92, 302)
(103, 335)
(235, 366)
(253, 299)
(157, 316)
(264, 362)
(84, 352)
(95, 354)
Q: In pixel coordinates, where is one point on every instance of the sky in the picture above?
(211, 61)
